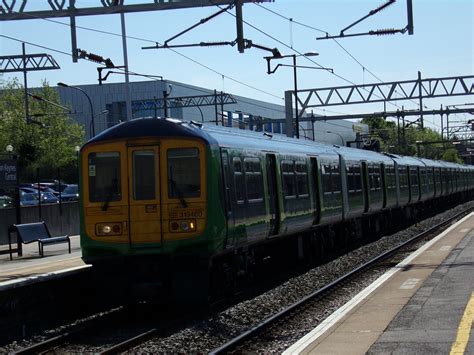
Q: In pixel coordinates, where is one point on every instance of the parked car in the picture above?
(45, 188)
(28, 190)
(6, 201)
(70, 193)
(59, 187)
(48, 197)
(28, 199)
(31, 199)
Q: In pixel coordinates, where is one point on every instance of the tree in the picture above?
(452, 155)
(47, 144)
(405, 140)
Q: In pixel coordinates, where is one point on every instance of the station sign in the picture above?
(8, 172)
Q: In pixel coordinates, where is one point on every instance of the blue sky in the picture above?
(443, 45)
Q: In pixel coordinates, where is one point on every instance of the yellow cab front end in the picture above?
(142, 196)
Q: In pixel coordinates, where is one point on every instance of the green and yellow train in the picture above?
(182, 204)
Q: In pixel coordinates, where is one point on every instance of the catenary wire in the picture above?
(150, 77)
(189, 58)
(152, 41)
(133, 73)
(299, 53)
(339, 44)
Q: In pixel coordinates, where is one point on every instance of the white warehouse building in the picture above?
(187, 102)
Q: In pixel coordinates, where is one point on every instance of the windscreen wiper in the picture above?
(179, 192)
(108, 198)
(106, 202)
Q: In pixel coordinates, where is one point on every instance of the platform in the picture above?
(31, 267)
(424, 305)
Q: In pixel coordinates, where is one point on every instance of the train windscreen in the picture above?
(184, 176)
(104, 177)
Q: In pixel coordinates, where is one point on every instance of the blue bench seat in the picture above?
(34, 232)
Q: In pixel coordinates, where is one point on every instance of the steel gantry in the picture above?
(20, 10)
(378, 92)
(185, 101)
(216, 99)
(390, 91)
(28, 62)
(25, 63)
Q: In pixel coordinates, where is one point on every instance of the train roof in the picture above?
(362, 154)
(212, 135)
(244, 139)
(432, 163)
(406, 160)
(149, 127)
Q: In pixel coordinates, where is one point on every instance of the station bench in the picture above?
(34, 232)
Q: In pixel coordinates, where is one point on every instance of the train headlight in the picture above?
(180, 226)
(105, 229)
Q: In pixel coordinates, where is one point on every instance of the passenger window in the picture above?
(413, 177)
(327, 180)
(374, 177)
(302, 179)
(238, 180)
(143, 162)
(104, 177)
(288, 179)
(253, 178)
(390, 177)
(336, 178)
(184, 176)
(402, 174)
(357, 178)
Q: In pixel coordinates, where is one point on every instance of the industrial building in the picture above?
(105, 106)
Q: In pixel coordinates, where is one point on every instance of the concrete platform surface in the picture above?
(31, 267)
(424, 305)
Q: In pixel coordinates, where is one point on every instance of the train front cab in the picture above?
(141, 196)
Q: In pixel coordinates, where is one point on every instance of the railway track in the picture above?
(246, 341)
(127, 333)
(243, 341)
(55, 343)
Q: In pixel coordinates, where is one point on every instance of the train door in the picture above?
(365, 185)
(316, 189)
(273, 194)
(144, 195)
(227, 185)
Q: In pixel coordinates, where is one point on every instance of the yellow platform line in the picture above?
(464, 329)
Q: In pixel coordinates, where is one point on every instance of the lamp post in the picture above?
(340, 136)
(295, 79)
(92, 124)
(77, 149)
(166, 95)
(9, 150)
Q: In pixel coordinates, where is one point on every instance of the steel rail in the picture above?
(56, 341)
(259, 328)
(146, 335)
(130, 343)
